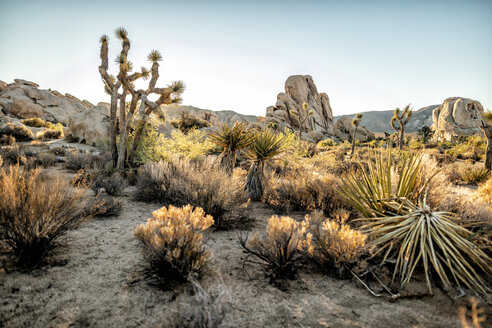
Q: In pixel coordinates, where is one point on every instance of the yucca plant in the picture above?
(231, 139)
(369, 190)
(475, 175)
(264, 147)
(416, 235)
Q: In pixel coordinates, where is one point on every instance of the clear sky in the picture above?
(366, 55)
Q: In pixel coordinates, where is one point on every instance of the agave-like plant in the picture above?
(231, 139)
(369, 192)
(264, 147)
(417, 235)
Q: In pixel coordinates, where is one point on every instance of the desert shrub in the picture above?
(172, 242)
(50, 134)
(474, 175)
(37, 122)
(326, 143)
(58, 151)
(105, 207)
(7, 139)
(155, 147)
(208, 307)
(294, 149)
(187, 122)
(304, 189)
(334, 244)
(70, 138)
(485, 192)
(45, 159)
(77, 162)
(182, 181)
(19, 132)
(281, 249)
(12, 155)
(35, 212)
(113, 184)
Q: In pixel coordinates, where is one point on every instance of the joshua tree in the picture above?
(486, 126)
(124, 81)
(402, 117)
(302, 119)
(355, 123)
(231, 139)
(265, 145)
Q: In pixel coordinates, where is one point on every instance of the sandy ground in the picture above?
(97, 282)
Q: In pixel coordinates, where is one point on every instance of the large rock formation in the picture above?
(23, 99)
(300, 89)
(457, 116)
(344, 130)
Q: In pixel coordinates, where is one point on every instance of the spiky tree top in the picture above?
(357, 119)
(401, 116)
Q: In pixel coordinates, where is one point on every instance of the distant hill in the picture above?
(227, 116)
(379, 121)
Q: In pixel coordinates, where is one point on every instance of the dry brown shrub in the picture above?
(182, 181)
(334, 244)
(303, 189)
(19, 132)
(105, 207)
(13, 155)
(35, 212)
(281, 249)
(49, 134)
(172, 242)
(45, 159)
(8, 140)
(113, 185)
(77, 162)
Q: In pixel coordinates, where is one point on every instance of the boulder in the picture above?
(90, 126)
(24, 82)
(457, 116)
(289, 113)
(344, 130)
(3, 86)
(25, 108)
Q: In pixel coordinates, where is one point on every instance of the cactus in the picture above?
(402, 117)
(125, 81)
(355, 123)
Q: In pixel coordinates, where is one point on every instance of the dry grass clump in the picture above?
(475, 175)
(19, 132)
(7, 139)
(50, 134)
(334, 243)
(77, 162)
(58, 151)
(303, 189)
(182, 181)
(35, 212)
(45, 159)
(172, 242)
(105, 207)
(113, 185)
(282, 247)
(485, 192)
(208, 308)
(13, 155)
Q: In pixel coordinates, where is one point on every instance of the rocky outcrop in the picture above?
(344, 130)
(172, 113)
(289, 113)
(90, 126)
(457, 116)
(24, 99)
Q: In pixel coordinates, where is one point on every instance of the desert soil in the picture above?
(96, 281)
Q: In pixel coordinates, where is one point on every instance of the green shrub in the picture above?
(37, 122)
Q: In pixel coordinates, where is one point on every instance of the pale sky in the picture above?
(236, 55)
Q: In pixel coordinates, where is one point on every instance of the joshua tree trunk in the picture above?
(124, 130)
(254, 181)
(353, 142)
(402, 136)
(487, 130)
(228, 161)
(112, 126)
